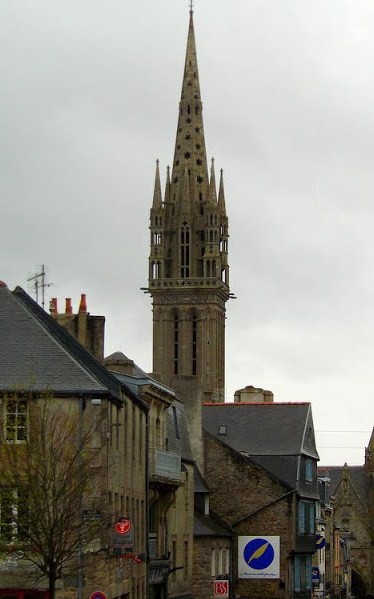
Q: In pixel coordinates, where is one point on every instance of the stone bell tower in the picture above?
(188, 262)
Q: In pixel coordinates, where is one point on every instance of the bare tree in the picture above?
(49, 471)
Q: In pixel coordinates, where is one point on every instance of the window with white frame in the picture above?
(15, 420)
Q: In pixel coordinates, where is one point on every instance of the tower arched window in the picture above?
(175, 344)
(185, 252)
(156, 270)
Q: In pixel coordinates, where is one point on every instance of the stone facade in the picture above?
(352, 488)
(253, 503)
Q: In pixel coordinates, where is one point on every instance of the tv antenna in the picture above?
(40, 284)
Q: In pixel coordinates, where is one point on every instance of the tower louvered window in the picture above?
(176, 344)
(194, 344)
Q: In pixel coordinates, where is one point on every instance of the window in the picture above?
(13, 515)
(302, 573)
(16, 418)
(176, 424)
(309, 470)
(213, 563)
(306, 518)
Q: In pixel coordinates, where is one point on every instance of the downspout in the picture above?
(80, 547)
(146, 504)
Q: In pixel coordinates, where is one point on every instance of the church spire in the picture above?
(188, 261)
(190, 149)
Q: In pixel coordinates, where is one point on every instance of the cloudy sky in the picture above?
(89, 100)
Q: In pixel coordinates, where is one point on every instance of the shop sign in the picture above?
(221, 588)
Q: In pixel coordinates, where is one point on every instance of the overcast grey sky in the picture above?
(89, 100)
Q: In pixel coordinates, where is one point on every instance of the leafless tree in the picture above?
(49, 473)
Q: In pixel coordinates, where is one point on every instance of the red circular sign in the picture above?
(98, 595)
(122, 527)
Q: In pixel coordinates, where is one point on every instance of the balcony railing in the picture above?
(165, 464)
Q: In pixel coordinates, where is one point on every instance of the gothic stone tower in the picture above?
(188, 266)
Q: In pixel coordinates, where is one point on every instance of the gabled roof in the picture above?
(358, 478)
(263, 429)
(38, 354)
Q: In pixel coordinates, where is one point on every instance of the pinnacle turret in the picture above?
(221, 196)
(212, 198)
(157, 197)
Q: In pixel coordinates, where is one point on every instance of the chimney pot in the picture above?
(53, 305)
(83, 303)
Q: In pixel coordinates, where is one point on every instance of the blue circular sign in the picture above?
(258, 554)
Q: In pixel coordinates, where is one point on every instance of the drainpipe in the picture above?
(146, 504)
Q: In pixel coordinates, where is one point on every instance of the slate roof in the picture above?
(176, 422)
(284, 466)
(358, 477)
(259, 429)
(38, 354)
(210, 526)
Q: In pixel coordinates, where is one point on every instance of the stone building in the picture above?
(168, 465)
(352, 493)
(170, 475)
(40, 361)
(261, 471)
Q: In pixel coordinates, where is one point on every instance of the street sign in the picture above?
(98, 595)
(221, 588)
(123, 526)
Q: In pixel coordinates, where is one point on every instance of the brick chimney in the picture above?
(88, 330)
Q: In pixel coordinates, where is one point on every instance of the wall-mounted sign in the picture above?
(221, 588)
(123, 526)
(123, 537)
(320, 542)
(315, 574)
(258, 557)
(98, 595)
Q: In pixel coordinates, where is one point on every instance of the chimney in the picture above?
(251, 394)
(53, 306)
(68, 306)
(88, 330)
